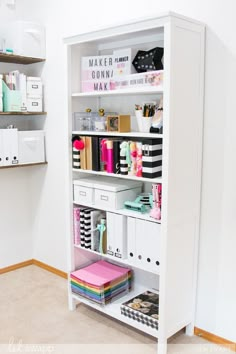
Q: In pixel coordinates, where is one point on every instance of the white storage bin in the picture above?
(83, 195)
(34, 87)
(113, 194)
(84, 190)
(34, 104)
(31, 146)
(105, 192)
(25, 38)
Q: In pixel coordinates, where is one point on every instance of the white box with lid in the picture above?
(34, 104)
(113, 194)
(31, 145)
(105, 192)
(34, 87)
(84, 190)
(25, 38)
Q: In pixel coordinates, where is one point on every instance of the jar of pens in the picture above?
(149, 117)
(144, 114)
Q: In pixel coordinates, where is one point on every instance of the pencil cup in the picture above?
(139, 116)
(146, 124)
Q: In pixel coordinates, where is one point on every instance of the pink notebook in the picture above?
(100, 273)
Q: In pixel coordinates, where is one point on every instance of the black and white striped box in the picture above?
(75, 158)
(152, 158)
(123, 166)
(87, 228)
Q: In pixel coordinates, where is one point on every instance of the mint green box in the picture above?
(11, 99)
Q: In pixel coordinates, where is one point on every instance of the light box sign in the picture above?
(97, 72)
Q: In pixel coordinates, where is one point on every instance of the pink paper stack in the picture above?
(101, 281)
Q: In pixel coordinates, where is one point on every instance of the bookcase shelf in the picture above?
(24, 165)
(115, 134)
(125, 212)
(116, 260)
(113, 309)
(19, 59)
(120, 92)
(134, 178)
(23, 113)
(181, 140)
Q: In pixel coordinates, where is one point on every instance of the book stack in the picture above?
(76, 225)
(141, 158)
(86, 231)
(143, 308)
(101, 281)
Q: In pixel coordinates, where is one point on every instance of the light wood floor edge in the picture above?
(49, 268)
(16, 266)
(214, 339)
(45, 266)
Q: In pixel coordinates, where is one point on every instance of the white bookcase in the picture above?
(183, 89)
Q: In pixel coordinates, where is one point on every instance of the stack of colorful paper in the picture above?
(100, 281)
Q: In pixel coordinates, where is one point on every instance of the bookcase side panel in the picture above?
(181, 173)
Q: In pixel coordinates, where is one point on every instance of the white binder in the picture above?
(116, 235)
(1, 148)
(10, 147)
(131, 237)
(144, 243)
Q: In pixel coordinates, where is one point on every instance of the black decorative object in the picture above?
(148, 60)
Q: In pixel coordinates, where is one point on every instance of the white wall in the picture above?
(216, 305)
(16, 241)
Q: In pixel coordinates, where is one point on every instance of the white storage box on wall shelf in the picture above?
(105, 192)
(25, 38)
(31, 146)
(34, 104)
(34, 86)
